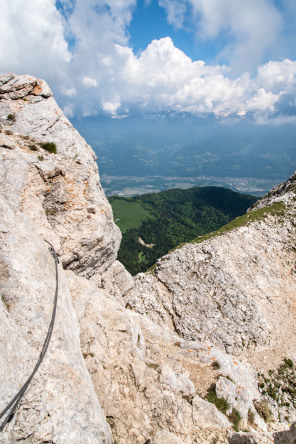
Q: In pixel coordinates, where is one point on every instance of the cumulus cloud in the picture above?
(88, 81)
(250, 29)
(164, 78)
(277, 76)
(82, 49)
(32, 39)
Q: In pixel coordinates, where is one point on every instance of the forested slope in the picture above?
(170, 218)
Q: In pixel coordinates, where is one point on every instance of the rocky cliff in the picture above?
(202, 345)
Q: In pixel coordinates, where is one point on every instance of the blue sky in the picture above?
(152, 20)
(228, 58)
(149, 22)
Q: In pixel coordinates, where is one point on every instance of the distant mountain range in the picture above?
(172, 144)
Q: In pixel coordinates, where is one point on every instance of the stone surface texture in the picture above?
(61, 193)
(164, 437)
(131, 360)
(61, 400)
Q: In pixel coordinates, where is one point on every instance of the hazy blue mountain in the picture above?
(169, 144)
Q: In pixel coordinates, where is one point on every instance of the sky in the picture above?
(229, 58)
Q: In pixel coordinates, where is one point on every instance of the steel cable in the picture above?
(11, 408)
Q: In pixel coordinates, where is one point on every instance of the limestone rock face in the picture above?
(286, 437)
(142, 379)
(61, 193)
(54, 197)
(117, 281)
(28, 108)
(283, 437)
(164, 437)
(61, 405)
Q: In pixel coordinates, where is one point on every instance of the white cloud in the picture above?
(250, 29)
(111, 107)
(175, 10)
(277, 76)
(99, 71)
(88, 81)
(276, 121)
(68, 110)
(164, 78)
(70, 92)
(261, 102)
(32, 39)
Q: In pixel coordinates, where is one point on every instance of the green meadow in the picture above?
(128, 214)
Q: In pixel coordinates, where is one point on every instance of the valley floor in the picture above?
(133, 185)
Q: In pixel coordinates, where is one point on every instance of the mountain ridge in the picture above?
(174, 216)
(189, 147)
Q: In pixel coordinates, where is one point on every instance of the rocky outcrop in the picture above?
(230, 291)
(171, 357)
(133, 366)
(60, 192)
(28, 108)
(284, 437)
(61, 399)
(54, 197)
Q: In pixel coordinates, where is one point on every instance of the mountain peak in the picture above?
(26, 87)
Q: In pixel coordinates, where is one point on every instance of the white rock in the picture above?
(165, 437)
(60, 404)
(63, 198)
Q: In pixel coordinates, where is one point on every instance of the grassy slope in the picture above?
(277, 209)
(171, 218)
(128, 213)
